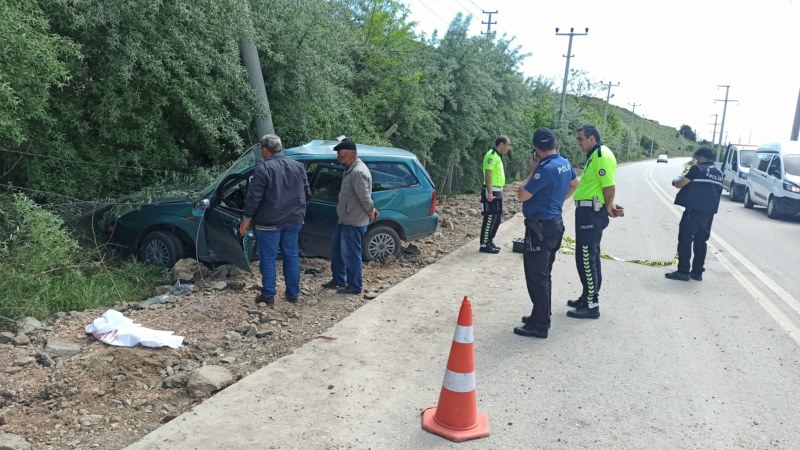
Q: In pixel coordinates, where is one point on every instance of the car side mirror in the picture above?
(202, 205)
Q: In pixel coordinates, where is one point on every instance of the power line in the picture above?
(434, 13)
(77, 161)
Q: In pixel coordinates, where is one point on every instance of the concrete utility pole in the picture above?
(796, 125)
(253, 65)
(714, 134)
(630, 128)
(489, 23)
(724, 111)
(608, 85)
(569, 55)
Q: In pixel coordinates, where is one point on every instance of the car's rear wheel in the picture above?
(379, 243)
(748, 202)
(772, 208)
(161, 248)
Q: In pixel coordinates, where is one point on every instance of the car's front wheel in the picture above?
(748, 202)
(379, 243)
(161, 248)
(733, 193)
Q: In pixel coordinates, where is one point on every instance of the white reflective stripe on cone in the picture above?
(463, 335)
(459, 382)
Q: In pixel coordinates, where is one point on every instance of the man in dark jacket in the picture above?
(276, 202)
(700, 191)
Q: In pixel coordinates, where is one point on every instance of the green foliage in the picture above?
(45, 271)
(33, 61)
(687, 132)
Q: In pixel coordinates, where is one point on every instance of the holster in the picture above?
(533, 227)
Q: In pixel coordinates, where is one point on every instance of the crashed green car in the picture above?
(204, 226)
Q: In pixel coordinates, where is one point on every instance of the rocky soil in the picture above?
(61, 388)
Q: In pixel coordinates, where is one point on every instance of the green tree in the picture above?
(33, 61)
(687, 132)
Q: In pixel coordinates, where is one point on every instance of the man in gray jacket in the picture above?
(355, 210)
(276, 202)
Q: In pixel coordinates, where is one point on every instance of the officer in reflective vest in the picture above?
(700, 191)
(551, 182)
(492, 193)
(594, 204)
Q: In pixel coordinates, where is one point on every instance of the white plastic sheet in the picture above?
(115, 329)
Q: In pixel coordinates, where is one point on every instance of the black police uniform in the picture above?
(701, 199)
(544, 230)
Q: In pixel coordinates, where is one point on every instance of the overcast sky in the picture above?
(668, 56)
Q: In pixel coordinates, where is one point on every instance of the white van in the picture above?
(774, 179)
(736, 166)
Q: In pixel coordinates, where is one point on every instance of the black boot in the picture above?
(677, 275)
(584, 312)
(531, 331)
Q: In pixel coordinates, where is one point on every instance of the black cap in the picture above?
(544, 139)
(346, 144)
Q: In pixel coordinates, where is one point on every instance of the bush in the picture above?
(44, 270)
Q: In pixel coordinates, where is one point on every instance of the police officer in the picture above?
(492, 193)
(551, 182)
(700, 191)
(594, 204)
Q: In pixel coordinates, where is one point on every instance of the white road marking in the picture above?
(767, 303)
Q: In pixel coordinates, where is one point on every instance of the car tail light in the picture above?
(433, 203)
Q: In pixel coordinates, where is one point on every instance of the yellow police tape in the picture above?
(568, 248)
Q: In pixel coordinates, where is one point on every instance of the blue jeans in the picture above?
(268, 243)
(346, 256)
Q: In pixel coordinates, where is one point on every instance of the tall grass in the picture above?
(43, 270)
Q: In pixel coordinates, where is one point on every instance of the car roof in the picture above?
(325, 149)
(785, 147)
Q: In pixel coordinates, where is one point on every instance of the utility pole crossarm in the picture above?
(489, 23)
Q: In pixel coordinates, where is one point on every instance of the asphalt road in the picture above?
(710, 364)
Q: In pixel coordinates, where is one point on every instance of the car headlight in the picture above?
(791, 187)
(743, 175)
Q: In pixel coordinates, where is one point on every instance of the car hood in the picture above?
(793, 178)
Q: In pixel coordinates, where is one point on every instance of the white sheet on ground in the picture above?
(115, 329)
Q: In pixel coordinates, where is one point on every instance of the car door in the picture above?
(758, 177)
(221, 223)
(321, 219)
(774, 179)
(730, 168)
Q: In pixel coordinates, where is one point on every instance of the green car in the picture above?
(206, 228)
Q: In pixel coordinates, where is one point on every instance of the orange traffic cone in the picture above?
(457, 417)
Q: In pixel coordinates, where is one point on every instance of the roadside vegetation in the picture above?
(43, 269)
(103, 99)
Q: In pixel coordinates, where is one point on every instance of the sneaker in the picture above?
(332, 285)
(696, 276)
(347, 290)
(530, 332)
(680, 276)
(584, 313)
(268, 300)
(487, 249)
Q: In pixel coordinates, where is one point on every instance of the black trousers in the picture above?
(538, 263)
(589, 226)
(492, 215)
(693, 232)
